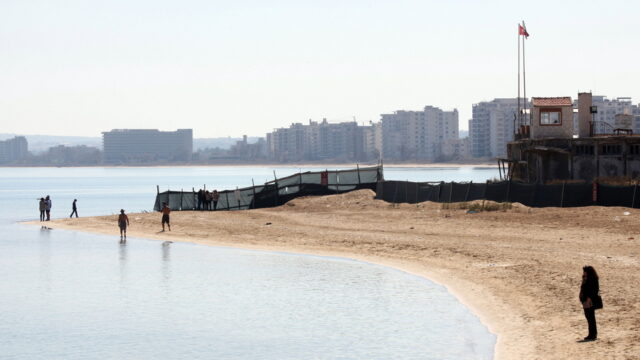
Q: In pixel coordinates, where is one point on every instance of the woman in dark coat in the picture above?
(588, 295)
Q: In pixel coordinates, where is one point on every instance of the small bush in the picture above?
(478, 206)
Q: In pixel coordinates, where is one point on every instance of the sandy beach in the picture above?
(518, 270)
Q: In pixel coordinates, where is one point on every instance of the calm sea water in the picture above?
(69, 295)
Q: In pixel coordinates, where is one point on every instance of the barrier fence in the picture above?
(278, 191)
(534, 195)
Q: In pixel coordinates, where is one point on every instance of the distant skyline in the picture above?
(246, 67)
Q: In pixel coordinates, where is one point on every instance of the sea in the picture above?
(76, 295)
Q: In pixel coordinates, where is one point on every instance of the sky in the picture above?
(229, 68)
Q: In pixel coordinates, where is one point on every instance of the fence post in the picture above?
(484, 194)
(440, 190)
(508, 191)
(358, 170)
(466, 195)
(417, 189)
(181, 197)
(253, 199)
(226, 194)
(277, 188)
(395, 191)
(450, 191)
(635, 187)
(406, 191)
(562, 194)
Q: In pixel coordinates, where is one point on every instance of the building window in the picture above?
(550, 117)
(611, 149)
(634, 149)
(584, 150)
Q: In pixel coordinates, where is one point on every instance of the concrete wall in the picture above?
(560, 159)
(584, 114)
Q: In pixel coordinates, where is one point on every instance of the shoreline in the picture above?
(275, 165)
(497, 264)
(454, 287)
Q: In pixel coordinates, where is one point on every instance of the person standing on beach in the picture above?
(207, 200)
(43, 207)
(123, 222)
(200, 197)
(165, 215)
(590, 299)
(48, 205)
(214, 198)
(74, 208)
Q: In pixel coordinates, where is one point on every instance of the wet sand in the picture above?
(518, 270)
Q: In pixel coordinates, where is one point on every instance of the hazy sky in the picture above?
(227, 68)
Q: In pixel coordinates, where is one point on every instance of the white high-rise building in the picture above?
(13, 149)
(609, 108)
(147, 145)
(417, 135)
(320, 141)
(492, 126)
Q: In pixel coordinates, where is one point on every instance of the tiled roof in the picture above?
(552, 101)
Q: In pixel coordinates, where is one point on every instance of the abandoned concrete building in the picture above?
(546, 148)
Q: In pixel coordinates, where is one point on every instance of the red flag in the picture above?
(522, 31)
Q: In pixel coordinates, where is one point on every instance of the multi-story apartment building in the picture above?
(609, 108)
(318, 141)
(492, 126)
(287, 144)
(371, 140)
(147, 145)
(14, 149)
(417, 135)
(456, 149)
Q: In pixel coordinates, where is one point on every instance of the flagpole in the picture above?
(519, 112)
(524, 73)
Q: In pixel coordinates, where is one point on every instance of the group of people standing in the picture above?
(45, 204)
(207, 200)
(45, 208)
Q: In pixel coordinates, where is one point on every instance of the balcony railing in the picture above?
(601, 128)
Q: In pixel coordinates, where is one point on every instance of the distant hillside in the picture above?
(222, 143)
(41, 143)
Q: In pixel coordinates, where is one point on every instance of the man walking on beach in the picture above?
(74, 208)
(165, 215)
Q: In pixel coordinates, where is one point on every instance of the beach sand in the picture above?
(519, 270)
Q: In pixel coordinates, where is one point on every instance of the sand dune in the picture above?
(519, 269)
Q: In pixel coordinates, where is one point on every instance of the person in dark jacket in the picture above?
(43, 207)
(74, 208)
(588, 294)
(200, 199)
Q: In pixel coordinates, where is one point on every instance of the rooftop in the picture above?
(552, 101)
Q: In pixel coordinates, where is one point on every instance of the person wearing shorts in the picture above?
(123, 222)
(165, 216)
